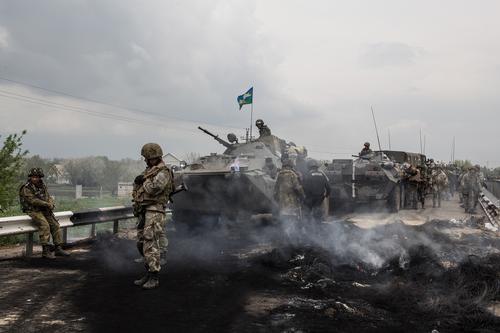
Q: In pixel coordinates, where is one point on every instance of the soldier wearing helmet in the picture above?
(263, 129)
(38, 204)
(289, 195)
(317, 190)
(366, 149)
(152, 189)
(470, 185)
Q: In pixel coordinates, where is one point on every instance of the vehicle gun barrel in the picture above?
(216, 137)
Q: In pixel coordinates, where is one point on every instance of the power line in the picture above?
(117, 106)
(63, 107)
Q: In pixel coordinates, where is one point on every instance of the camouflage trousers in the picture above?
(470, 199)
(47, 225)
(149, 238)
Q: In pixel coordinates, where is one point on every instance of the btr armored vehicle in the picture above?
(368, 179)
(234, 185)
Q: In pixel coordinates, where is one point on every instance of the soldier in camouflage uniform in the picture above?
(289, 195)
(38, 204)
(366, 149)
(151, 192)
(471, 186)
(413, 182)
(439, 183)
(263, 129)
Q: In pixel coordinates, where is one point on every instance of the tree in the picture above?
(11, 159)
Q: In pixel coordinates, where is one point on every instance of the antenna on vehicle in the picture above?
(389, 136)
(376, 129)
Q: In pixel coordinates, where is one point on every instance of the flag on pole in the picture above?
(246, 98)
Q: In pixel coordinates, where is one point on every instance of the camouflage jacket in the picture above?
(439, 180)
(154, 193)
(35, 198)
(264, 131)
(365, 151)
(471, 181)
(288, 192)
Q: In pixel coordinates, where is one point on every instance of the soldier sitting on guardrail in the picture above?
(37, 203)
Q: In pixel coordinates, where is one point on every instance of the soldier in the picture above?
(438, 182)
(412, 185)
(289, 195)
(263, 129)
(317, 190)
(151, 192)
(270, 168)
(471, 186)
(38, 204)
(366, 150)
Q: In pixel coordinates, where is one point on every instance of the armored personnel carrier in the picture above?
(235, 184)
(372, 178)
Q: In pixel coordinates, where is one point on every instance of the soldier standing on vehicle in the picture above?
(263, 129)
(317, 190)
(151, 192)
(366, 149)
(39, 205)
(471, 186)
(439, 183)
(289, 195)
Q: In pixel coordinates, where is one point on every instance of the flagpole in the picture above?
(251, 117)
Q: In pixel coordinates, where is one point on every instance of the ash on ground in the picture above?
(442, 275)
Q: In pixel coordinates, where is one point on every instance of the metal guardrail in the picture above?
(23, 224)
(491, 207)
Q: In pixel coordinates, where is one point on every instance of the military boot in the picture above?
(47, 253)
(142, 280)
(153, 281)
(60, 252)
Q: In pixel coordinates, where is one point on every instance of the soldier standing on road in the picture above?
(366, 149)
(439, 183)
(471, 186)
(317, 190)
(413, 182)
(151, 192)
(39, 205)
(263, 129)
(289, 195)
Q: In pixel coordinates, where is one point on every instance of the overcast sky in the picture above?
(316, 67)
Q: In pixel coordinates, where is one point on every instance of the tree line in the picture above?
(92, 171)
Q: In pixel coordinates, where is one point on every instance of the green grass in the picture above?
(74, 205)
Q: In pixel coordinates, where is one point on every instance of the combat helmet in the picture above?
(259, 122)
(36, 172)
(151, 150)
(367, 144)
(312, 163)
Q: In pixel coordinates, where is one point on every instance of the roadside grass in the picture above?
(74, 205)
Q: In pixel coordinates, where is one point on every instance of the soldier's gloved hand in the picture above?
(51, 206)
(139, 180)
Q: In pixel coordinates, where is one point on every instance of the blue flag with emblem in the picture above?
(246, 98)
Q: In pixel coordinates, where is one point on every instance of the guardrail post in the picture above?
(29, 245)
(65, 235)
(93, 231)
(115, 226)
